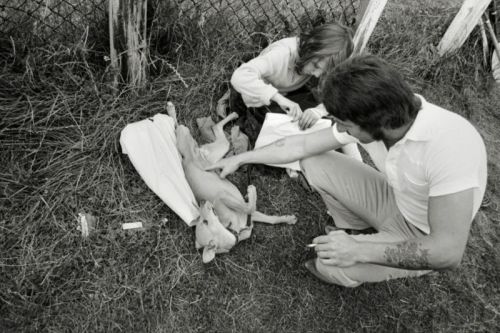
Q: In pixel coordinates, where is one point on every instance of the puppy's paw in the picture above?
(291, 219)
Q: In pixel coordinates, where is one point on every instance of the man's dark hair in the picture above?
(370, 93)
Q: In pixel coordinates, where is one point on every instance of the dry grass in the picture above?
(60, 156)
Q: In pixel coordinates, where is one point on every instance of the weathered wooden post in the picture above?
(462, 25)
(484, 40)
(370, 10)
(361, 11)
(495, 66)
(129, 49)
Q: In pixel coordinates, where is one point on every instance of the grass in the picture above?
(60, 155)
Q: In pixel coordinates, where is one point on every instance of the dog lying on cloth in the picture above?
(224, 217)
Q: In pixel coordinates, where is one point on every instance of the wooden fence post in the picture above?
(361, 11)
(462, 25)
(113, 8)
(372, 11)
(129, 50)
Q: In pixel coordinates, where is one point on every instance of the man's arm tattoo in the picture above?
(408, 255)
(279, 143)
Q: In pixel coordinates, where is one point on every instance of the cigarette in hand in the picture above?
(311, 245)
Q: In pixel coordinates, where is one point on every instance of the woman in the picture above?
(276, 79)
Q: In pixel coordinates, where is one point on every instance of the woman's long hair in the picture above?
(333, 41)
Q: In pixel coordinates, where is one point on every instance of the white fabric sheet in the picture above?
(277, 126)
(151, 146)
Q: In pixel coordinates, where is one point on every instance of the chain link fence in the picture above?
(249, 17)
(43, 21)
(63, 21)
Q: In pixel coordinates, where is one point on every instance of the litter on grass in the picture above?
(131, 225)
(86, 223)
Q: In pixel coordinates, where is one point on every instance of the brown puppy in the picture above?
(224, 212)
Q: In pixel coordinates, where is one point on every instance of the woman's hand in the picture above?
(309, 118)
(227, 166)
(290, 107)
(337, 249)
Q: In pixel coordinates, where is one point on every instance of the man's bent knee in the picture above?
(316, 167)
(308, 164)
(309, 168)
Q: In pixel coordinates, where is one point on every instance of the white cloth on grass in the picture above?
(277, 126)
(151, 146)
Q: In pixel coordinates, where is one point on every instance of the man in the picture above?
(429, 185)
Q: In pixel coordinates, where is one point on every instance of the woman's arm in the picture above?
(248, 81)
(251, 79)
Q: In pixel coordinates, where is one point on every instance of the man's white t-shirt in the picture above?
(442, 153)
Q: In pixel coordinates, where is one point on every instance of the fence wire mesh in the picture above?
(46, 20)
(43, 21)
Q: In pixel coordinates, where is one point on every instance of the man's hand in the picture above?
(309, 118)
(337, 249)
(227, 165)
(290, 107)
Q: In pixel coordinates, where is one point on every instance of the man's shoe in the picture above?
(330, 228)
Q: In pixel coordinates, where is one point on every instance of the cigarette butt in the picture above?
(132, 225)
(311, 245)
(87, 223)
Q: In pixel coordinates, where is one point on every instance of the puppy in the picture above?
(225, 217)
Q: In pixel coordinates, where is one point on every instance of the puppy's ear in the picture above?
(209, 252)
